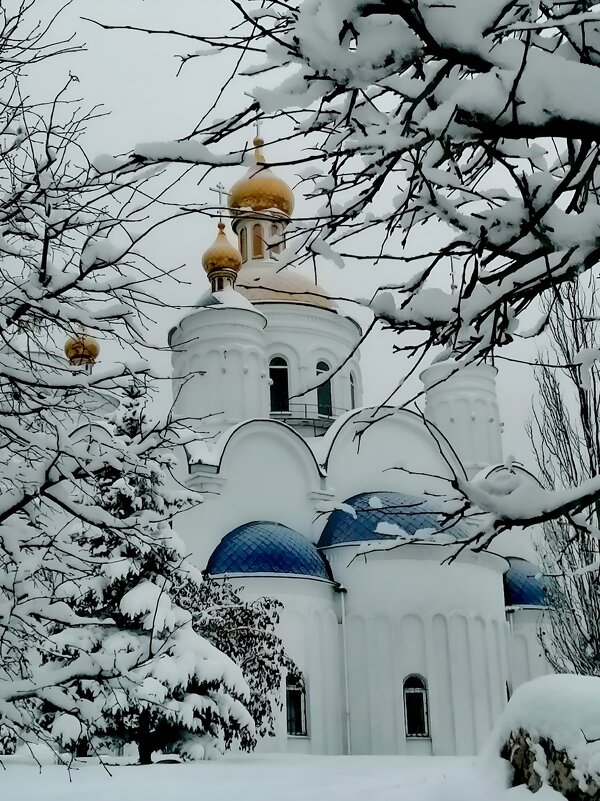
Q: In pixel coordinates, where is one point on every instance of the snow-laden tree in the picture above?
(90, 641)
(565, 435)
(159, 683)
(455, 140)
(245, 630)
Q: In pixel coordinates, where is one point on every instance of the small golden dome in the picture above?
(221, 255)
(81, 349)
(260, 189)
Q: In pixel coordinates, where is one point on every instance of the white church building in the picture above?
(331, 507)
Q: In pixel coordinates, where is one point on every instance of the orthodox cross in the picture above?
(220, 190)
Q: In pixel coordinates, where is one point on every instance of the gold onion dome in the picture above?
(221, 255)
(260, 189)
(81, 349)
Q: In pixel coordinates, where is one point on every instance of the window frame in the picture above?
(326, 387)
(280, 368)
(295, 685)
(352, 391)
(258, 241)
(244, 244)
(418, 688)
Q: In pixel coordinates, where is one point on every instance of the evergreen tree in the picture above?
(247, 632)
(159, 683)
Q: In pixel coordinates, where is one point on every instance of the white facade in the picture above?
(400, 652)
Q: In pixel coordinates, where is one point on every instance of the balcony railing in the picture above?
(315, 414)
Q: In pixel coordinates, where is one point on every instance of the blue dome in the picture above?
(264, 547)
(523, 586)
(409, 513)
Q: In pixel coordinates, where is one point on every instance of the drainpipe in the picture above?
(342, 591)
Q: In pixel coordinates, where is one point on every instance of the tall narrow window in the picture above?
(352, 391)
(295, 702)
(258, 245)
(416, 713)
(280, 388)
(244, 244)
(275, 239)
(324, 391)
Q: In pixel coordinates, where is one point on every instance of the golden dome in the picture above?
(221, 255)
(260, 189)
(81, 349)
(281, 286)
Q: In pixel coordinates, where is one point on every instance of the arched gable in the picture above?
(268, 472)
(378, 443)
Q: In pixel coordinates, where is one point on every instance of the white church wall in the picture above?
(220, 373)
(410, 615)
(310, 334)
(310, 631)
(528, 659)
(464, 406)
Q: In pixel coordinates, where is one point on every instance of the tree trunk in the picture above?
(145, 750)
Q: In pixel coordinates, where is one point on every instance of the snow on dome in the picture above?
(386, 516)
(260, 189)
(523, 584)
(281, 286)
(263, 547)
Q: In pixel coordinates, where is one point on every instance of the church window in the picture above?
(280, 388)
(416, 713)
(244, 244)
(258, 250)
(295, 702)
(352, 391)
(324, 391)
(275, 238)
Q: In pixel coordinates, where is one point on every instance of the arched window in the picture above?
(295, 702)
(244, 244)
(258, 245)
(416, 713)
(280, 387)
(352, 391)
(324, 391)
(275, 239)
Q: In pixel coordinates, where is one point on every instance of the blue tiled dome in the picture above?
(409, 513)
(264, 547)
(523, 586)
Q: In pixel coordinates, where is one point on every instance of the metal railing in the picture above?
(312, 412)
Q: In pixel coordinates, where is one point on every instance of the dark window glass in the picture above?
(258, 250)
(244, 244)
(295, 701)
(416, 720)
(324, 391)
(352, 391)
(280, 389)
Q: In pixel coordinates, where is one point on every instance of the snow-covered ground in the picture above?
(270, 778)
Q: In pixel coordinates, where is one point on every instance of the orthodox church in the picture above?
(334, 508)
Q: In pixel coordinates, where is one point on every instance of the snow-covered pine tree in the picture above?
(245, 630)
(160, 684)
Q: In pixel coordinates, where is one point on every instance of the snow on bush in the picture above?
(550, 733)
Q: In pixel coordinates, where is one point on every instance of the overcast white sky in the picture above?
(134, 77)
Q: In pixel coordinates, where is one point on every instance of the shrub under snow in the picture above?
(550, 734)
